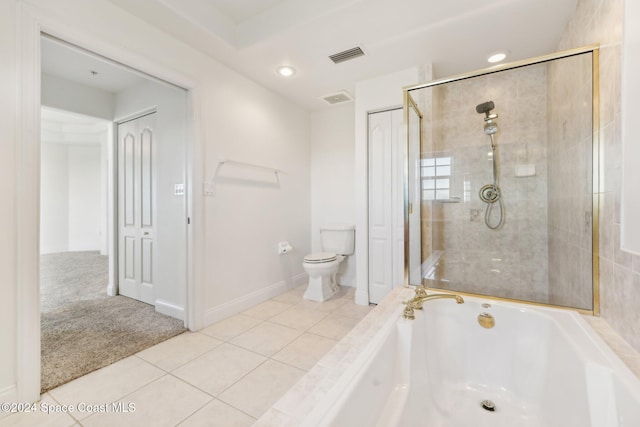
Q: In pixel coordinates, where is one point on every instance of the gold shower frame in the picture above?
(597, 170)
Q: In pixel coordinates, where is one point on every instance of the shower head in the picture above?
(485, 107)
(490, 128)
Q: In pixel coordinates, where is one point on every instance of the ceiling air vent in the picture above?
(346, 55)
(337, 98)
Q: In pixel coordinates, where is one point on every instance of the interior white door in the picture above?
(136, 208)
(386, 203)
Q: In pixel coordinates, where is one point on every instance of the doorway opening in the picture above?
(113, 155)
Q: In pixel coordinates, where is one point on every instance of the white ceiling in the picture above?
(61, 60)
(254, 37)
(243, 10)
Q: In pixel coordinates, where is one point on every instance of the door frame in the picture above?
(31, 24)
(412, 196)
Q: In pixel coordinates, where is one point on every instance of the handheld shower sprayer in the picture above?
(490, 127)
(490, 193)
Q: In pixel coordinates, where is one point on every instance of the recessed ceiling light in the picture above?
(497, 56)
(286, 71)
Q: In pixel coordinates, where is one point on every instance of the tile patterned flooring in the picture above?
(227, 375)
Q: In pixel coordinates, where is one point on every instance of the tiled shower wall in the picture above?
(600, 21)
(512, 261)
(570, 189)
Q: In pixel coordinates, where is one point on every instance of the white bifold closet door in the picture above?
(136, 208)
(387, 157)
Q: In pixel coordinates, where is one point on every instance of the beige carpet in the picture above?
(83, 329)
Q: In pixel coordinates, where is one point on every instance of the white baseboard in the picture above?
(169, 309)
(112, 291)
(362, 296)
(8, 395)
(237, 305)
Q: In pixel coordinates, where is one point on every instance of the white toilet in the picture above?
(338, 241)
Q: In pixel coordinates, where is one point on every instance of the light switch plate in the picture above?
(209, 189)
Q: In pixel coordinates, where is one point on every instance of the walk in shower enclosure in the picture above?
(536, 123)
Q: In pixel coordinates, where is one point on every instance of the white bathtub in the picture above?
(539, 366)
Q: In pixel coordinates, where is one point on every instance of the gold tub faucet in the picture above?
(420, 297)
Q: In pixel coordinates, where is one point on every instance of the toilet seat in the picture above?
(320, 257)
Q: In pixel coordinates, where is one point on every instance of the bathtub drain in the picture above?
(488, 405)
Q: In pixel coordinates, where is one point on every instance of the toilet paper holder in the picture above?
(284, 247)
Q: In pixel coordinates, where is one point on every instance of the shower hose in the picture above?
(490, 194)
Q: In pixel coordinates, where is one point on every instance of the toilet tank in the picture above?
(338, 238)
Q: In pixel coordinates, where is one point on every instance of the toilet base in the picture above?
(321, 288)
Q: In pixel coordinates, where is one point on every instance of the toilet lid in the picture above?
(320, 257)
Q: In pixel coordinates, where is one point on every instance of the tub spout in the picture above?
(416, 302)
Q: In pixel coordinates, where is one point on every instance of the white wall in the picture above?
(83, 233)
(245, 220)
(54, 200)
(105, 163)
(9, 187)
(371, 95)
(71, 96)
(71, 191)
(236, 231)
(72, 188)
(84, 215)
(171, 151)
(332, 135)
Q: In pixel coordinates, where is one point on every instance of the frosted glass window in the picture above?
(442, 184)
(429, 184)
(436, 174)
(443, 170)
(428, 171)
